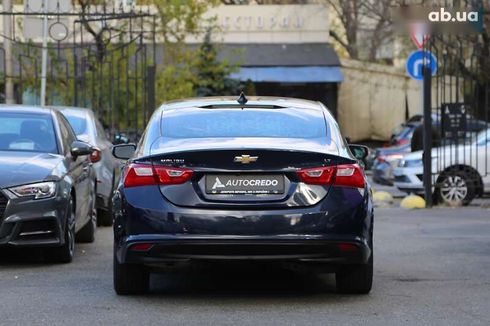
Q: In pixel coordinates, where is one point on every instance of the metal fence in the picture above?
(98, 57)
(460, 95)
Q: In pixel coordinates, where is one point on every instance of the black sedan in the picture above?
(47, 184)
(268, 180)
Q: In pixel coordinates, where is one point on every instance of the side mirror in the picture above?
(360, 152)
(123, 151)
(80, 148)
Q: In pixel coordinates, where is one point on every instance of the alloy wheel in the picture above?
(454, 189)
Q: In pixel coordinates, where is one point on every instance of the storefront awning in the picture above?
(310, 74)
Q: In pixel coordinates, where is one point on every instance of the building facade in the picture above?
(283, 49)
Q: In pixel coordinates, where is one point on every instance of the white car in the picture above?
(461, 172)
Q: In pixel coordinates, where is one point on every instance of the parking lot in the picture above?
(431, 267)
(207, 162)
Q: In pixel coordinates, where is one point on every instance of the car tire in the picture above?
(104, 217)
(462, 182)
(355, 279)
(130, 278)
(87, 233)
(64, 254)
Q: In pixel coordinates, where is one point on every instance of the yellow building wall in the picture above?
(372, 100)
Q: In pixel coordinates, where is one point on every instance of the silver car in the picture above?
(89, 129)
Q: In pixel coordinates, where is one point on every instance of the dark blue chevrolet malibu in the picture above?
(266, 179)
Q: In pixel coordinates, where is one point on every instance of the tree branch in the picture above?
(339, 40)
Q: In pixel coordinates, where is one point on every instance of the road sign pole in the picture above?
(44, 62)
(427, 156)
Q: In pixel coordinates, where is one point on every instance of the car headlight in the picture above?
(38, 190)
(411, 163)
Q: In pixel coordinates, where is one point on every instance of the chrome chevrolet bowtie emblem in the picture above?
(245, 159)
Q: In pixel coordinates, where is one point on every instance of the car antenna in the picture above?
(242, 100)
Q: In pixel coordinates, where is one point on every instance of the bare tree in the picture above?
(97, 34)
(366, 26)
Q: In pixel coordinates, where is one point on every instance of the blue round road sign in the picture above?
(416, 61)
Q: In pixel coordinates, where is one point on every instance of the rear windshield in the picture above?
(216, 123)
(79, 124)
(27, 132)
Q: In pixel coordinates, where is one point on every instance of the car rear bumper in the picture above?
(154, 249)
(174, 233)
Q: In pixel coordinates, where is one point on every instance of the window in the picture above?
(30, 132)
(250, 122)
(100, 130)
(79, 124)
(67, 134)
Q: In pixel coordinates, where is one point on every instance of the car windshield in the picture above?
(28, 132)
(250, 122)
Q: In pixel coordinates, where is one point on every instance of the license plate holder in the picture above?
(244, 184)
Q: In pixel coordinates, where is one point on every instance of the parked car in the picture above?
(47, 184)
(107, 168)
(382, 160)
(269, 180)
(461, 172)
(402, 134)
(387, 159)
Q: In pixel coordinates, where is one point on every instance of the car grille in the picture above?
(3, 204)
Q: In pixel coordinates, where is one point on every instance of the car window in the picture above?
(483, 137)
(251, 122)
(67, 133)
(27, 132)
(78, 124)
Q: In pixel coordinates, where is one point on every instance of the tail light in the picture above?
(146, 174)
(96, 156)
(349, 175)
(389, 158)
(348, 247)
(317, 176)
(402, 141)
(381, 159)
(345, 175)
(141, 247)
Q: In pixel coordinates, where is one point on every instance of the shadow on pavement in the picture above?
(21, 257)
(241, 280)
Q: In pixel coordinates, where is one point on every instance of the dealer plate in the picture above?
(244, 184)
